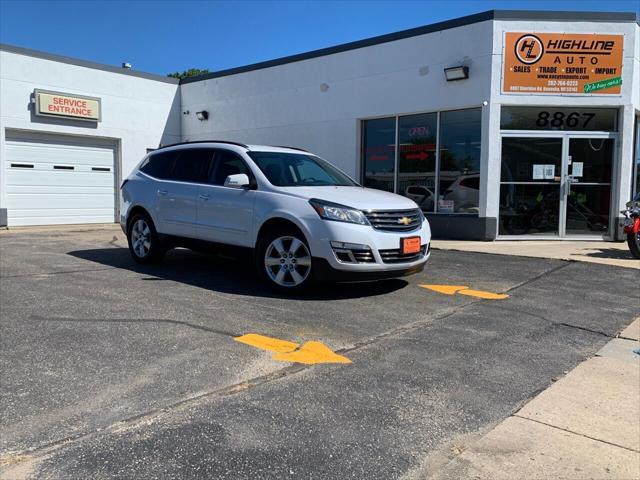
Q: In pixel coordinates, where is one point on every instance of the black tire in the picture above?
(152, 249)
(286, 266)
(633, 240)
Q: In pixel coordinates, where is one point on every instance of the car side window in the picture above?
(159, 165)
(227, 163)
(192, 165)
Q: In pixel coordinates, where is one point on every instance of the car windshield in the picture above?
(299, 170)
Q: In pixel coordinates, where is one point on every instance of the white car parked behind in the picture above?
(302, 218)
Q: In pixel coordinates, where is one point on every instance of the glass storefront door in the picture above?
(556, 186)
(588, 186)
(530, 186)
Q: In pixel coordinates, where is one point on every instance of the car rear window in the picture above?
(158, 165)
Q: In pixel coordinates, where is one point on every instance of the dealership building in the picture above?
(500, 125)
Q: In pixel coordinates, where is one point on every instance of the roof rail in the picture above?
(204, 141)
(292, 148)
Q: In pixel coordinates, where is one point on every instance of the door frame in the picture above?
(564, 184)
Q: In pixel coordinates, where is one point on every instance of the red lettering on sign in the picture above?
(418, 156)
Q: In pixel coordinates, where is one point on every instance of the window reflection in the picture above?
(458, 178)
(379, 153)
(459, 161)
(417, 158)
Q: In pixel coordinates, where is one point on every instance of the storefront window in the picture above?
(455, 188)
(379, 153)
(417, 158)
(459, 176)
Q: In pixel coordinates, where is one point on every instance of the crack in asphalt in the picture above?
(152, 415)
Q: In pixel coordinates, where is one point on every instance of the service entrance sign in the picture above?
(561, 63)
(56, 104)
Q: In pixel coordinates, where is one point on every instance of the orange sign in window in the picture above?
(560, 63)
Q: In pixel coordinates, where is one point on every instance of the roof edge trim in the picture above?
(85, 63)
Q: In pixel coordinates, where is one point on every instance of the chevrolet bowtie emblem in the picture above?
(404, 220)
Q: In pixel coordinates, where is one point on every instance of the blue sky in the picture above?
(164, 36)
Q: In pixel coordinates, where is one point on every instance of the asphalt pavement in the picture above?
(114, 370)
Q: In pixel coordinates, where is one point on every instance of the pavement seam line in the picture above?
(585, 329)
(151, 415)
(139, 320)
(550, 271)
(63, 272)
(418, 323)
(551, 322)
(576, 433)
(257, 381)
(218, 393)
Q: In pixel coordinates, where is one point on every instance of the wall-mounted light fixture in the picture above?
(203, 115)
(456, 73)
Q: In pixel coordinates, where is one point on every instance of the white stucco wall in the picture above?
(284, 105)
(137, 113)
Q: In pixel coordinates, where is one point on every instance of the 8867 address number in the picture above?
(561, 119)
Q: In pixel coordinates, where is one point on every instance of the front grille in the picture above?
(394, 255)
(391, 220)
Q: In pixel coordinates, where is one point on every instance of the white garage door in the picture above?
(58, 180)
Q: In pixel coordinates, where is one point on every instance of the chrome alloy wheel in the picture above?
(287, 261)
(141, 238)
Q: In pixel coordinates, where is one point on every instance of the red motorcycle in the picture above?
(631, 225)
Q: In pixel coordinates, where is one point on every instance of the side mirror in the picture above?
(238, 180)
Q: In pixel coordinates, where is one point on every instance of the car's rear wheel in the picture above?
(144, 244)
(284, 260)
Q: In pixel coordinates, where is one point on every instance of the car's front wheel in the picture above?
(144, 243)
(284, 260)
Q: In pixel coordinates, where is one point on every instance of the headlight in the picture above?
(338, 213)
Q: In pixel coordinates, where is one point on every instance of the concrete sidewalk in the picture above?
(585, 426)
(607, 253)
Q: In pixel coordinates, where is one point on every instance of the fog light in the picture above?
(350, 246)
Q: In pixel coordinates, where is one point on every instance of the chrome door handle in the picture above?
(162, 192)
(204, 196)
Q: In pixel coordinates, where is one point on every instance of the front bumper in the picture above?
(324, 272)
(381, 245)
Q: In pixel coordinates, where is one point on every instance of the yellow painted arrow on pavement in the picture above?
(464, 290)
(309, 353)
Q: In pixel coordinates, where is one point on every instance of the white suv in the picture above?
(301, 217)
